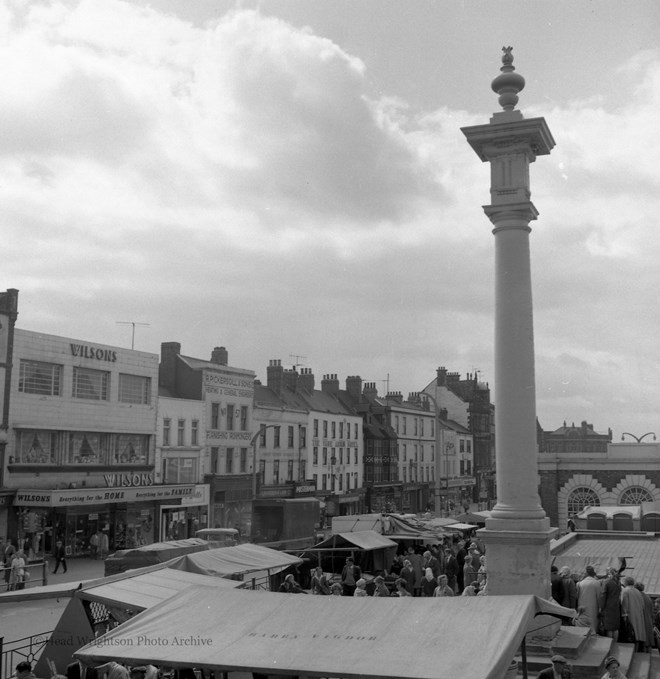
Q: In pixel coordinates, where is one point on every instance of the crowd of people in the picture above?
(613, 606)
(447, 569)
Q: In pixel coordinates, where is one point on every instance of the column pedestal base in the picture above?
(518, 561)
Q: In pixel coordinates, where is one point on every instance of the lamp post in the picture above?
(253, 443)
(639, 439)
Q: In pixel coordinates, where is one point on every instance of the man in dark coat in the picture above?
(556, 587)
(451, 568)
(610, 604)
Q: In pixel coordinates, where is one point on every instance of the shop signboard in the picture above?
(185, 494)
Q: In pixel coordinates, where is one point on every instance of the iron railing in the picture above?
(13, 652)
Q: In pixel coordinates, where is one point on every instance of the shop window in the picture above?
(181, 433)
(134, 389)
(194, 433)
(36, 377)
(90, 384)
(36, 447)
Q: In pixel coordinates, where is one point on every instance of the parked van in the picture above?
(222, 537)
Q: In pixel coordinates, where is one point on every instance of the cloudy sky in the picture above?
(288, 178)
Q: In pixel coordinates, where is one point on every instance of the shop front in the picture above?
(96, 521)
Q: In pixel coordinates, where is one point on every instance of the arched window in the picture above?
(635, 495)
(581, 498)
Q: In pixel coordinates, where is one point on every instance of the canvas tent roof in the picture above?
(366, 540)
(241, 559)
(275, 633)
(148, 589)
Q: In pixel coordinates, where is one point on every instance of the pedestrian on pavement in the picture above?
(320, 582)
(9, 552)
(632, 611)
(443, 588)
(569, 591)
(588, 591)
(429, 583)
(648, 615)
(60, 556)
(610, 604)
(350, 574)
(612, 669)
(17, 575)
(380, 589)
(360, 588)
(560, 669)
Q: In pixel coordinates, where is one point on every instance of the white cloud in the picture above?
(236, 183)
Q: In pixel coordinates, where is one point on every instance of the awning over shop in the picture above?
(238, 560)
(274, 633)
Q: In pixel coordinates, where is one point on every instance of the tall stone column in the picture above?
(517, 536)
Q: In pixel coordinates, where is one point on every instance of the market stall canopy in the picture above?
(473, 517)
(365, 540)
(272, 633)
(238, 560)
(145, 590)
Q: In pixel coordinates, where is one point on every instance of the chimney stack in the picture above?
(275, 376)
(330, 384)
(442, 376)
(167, 368)
(370, 391)
(354, 387)
(220, 356)
(306, 380)
(290, 378)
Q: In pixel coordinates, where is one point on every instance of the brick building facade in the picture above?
(624, 474)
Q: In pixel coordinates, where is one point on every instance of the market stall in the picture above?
(282, 634)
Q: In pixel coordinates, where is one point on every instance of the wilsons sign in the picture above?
(128, 480)
(86, 351)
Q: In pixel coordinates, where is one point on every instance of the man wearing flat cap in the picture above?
(560, 669)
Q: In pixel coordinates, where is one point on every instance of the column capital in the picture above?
(511, 216)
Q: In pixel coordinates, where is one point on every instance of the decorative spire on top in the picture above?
(508, 83)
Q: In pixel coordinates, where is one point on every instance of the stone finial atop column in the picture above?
(508, 83)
